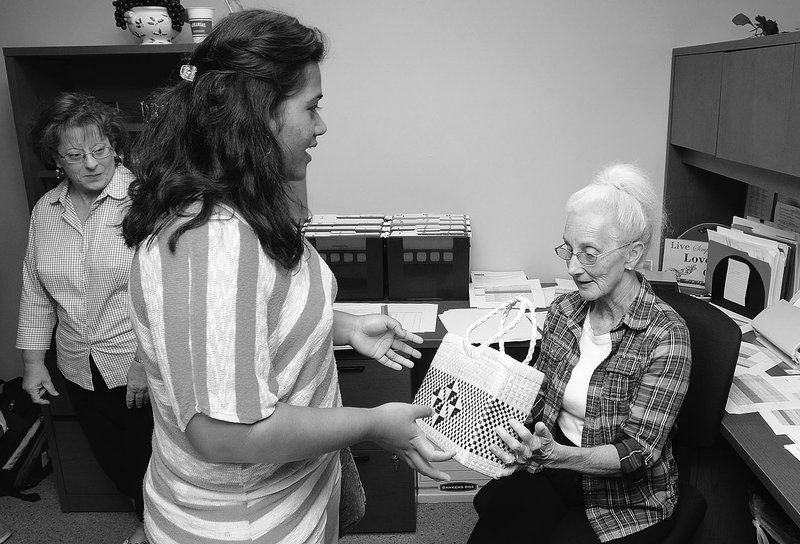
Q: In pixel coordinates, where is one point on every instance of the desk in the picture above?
(764, 454)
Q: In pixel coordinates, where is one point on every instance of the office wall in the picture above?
(497, 109)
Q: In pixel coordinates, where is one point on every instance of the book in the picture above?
(687, 259)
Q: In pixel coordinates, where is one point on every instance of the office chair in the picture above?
(715, 342)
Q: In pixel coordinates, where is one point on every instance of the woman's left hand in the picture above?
(138, 393)
(382, 338)
(531, 450)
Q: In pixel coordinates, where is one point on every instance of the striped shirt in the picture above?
(633, 399)
(226, 332)
(76, 276)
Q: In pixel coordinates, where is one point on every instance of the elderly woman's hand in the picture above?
(138, 393)
(529, 451)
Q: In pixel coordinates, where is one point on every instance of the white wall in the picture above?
(497, 109)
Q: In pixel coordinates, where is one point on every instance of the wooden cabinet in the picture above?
(695, 101)
(793, 136)
(82, 485)
(389, 483)
(734, 121)
(755, 100)
(755, 120)
(123, 75)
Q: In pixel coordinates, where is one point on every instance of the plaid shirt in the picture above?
(76, 275)
(633, 400)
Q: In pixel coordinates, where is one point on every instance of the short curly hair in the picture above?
(75, 110)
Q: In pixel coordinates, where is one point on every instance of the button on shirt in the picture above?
(75, 276)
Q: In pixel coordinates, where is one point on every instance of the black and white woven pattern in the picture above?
(472, 393)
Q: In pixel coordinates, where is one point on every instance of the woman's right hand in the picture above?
(399, 433)
(36, 381)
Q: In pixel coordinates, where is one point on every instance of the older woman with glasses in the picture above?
(594, 463)
(75, 278)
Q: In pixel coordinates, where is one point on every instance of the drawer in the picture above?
(389, 486)
(365, 383)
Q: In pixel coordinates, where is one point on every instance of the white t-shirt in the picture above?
(593, 349)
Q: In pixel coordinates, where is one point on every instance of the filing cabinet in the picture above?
(81, 483)
(389, 484)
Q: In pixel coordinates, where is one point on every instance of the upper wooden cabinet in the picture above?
(740, 101)
(734, 123)
(695, 101)
(120, 74)
(793, 131)
(754, 107)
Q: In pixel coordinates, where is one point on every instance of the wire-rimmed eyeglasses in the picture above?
(586, 259)
(76, 157)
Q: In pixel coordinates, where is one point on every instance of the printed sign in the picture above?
(686, 259)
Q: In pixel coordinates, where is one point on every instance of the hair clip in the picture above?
(187, 72)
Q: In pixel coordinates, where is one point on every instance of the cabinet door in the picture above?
(388, 482)
(389, 486)
(695, 101)
(754, 107)
(793, 139)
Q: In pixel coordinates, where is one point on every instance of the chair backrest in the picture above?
(715, 339)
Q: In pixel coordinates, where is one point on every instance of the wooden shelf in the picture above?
(122, 74)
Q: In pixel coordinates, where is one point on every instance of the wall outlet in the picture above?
(648, 264)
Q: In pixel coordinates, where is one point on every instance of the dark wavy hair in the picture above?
(209, 140)
(74, 110)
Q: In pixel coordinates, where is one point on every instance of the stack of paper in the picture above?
(428, 224)
(491, 289)
(322, 225)
(765, 384)
(745, 253)
(783, 236)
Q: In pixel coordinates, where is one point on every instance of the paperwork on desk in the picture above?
(458, 320)
(413, 317)
(490, 289)
(769, 385)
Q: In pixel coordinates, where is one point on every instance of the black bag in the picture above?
(23, 447)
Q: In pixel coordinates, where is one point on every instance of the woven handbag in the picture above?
(474, 389)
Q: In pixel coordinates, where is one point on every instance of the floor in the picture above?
(43, 522)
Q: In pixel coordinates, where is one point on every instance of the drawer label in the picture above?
(458, 486)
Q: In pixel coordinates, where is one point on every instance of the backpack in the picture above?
(24, 461)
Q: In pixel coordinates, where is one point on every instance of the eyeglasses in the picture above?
(75, 157)
(587, 259)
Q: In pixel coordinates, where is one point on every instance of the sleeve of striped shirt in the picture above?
(657, 403)
(37, 312)
(212, 356)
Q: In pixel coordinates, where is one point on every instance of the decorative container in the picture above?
(151, 24)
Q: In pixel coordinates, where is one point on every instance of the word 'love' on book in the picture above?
(686, 259)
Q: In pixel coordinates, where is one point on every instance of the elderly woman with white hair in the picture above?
(594, 463)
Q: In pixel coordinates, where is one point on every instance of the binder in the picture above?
(780, 326)
(790, 241)
(758, 285)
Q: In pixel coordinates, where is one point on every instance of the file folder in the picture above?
(758, 284)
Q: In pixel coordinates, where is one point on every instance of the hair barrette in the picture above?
(187, 72)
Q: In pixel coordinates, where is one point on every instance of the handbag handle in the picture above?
(506, 307)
